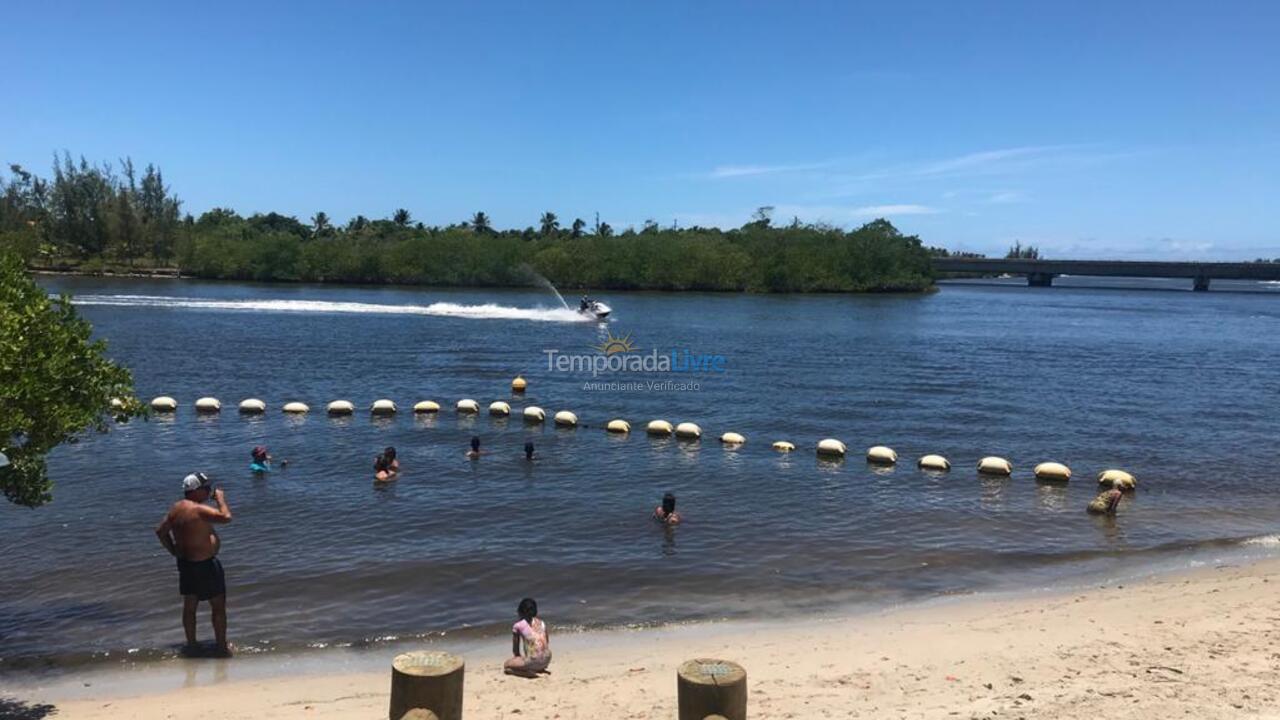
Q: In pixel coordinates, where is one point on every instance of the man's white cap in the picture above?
(4, 460)
(194, 481)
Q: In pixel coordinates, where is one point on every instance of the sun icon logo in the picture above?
(614, 345)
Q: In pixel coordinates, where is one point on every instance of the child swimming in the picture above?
(666, 512)
(260, 461)
(474, 453)
(386, 466)
(528, 452)
(531, 636)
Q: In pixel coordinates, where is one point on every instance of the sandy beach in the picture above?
(1199, 644)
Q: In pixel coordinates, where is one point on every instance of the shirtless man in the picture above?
(187, 533)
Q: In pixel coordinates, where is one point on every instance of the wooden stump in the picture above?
(430, 681)
(708, 688)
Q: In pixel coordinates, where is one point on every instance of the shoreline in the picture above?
(1197, 641)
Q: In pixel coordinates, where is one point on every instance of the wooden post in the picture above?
(708, 688)
(430, 681)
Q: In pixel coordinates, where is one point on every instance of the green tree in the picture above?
(320, 224)
(401, 217)
(55, 382)
(549, 224)
(481, 224)
(578, 225)
(604, 230)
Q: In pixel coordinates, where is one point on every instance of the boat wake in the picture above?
(487, 311)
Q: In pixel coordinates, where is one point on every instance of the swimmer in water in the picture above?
(386, 466)
(666, 512)
(261, 461)
(474, 453)
(528, 452)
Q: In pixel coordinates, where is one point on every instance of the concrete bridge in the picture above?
(1040, 273)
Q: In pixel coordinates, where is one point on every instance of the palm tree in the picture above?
(550, 223)
(578, 224)
(605, 230)
(480, 223)
(401, 217)
(320, 224)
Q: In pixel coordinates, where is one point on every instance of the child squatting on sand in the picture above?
(530, 635)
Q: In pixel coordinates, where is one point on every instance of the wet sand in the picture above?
(1203, 644)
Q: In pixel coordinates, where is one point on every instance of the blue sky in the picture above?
(1089, 129)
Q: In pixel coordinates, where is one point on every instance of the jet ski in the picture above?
(593, 309)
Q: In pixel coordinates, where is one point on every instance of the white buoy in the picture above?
(992, 465)
(519, 384)
(164, 403)
(1053, 472)
(934, 462)
(427, 406)
(468, 405)
(499, 408)
(208, 405)
(881, 455)
(783, 446)
(252, 406)
(688, 431)
(732, 438)
(533, 413)
(566, 418)
(659, 427)
(383, 407)
(618, 426)
(340, 407)
(832, 447)
(117, 403)
(1118, 479)
(296, 408)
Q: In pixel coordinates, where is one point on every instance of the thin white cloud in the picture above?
(735, 171)
(1005, 197)
(886, 210)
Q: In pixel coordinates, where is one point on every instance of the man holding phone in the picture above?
(187, 533)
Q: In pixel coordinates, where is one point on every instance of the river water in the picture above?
(1180, 388)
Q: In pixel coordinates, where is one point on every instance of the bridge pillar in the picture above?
(1039, 279)
(1201, 284)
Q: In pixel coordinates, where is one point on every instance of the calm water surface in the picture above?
(1179, 388)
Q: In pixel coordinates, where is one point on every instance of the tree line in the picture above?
(101, 216)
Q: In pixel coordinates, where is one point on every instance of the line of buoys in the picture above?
(1118, 479)
(164, 403)
(783, 446)
(252, 406)
(426, 406)
(340, 407)
(296, 408)
(534, 414)
(208, 405)
(882, 455)
(1052, 472)
(659, 428)
(519, 384)
(383, 407)
(688, 431)
(618, 426)
(467, 405)
(992, 465)
(499, 408)
(732, 438)
(565, 418)
(934, 462)
(832, 447)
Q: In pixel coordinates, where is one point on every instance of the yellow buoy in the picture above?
(383, 407)
(565, 418)
(208, 405)
(832, 447)
(993, 465)
(535, 414)
(881, 455)
(468, 406)
(252, 406)
(688, 431)
(934, 462)
(1118, 479)
(499, 408)
(519, 384)
(427, 406)
(164, 403)
(296, 407)
(732, 438)
(618, 426)
(659, 427)
(340, 407)
(783, 446)
(1053, 472)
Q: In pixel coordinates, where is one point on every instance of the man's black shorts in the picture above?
(202, 578)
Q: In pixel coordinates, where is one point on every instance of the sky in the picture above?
(1089, 129)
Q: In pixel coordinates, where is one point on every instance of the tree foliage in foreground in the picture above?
(55, 382)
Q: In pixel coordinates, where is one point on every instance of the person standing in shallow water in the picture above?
(474, 453)
(666, 512)
(386, 466)
(187, 533)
